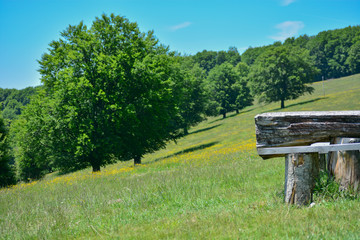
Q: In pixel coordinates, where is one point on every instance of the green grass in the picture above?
(211, 184)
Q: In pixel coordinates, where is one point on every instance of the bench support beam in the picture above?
(267, 153)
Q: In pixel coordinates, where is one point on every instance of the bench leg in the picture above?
(301, 170)
(345, 165)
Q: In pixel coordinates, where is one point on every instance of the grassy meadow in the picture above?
(210, 185)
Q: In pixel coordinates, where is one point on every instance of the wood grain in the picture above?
(283, 129)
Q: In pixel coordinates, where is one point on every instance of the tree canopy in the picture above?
(109, 91)
(192, 100)
(227, 89)
(12, 101)
(281, 73)
(335, 52)
(209, 59)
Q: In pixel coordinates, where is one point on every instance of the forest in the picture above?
(113, 93)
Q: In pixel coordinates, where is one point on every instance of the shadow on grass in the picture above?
(298, 104)
(192, 149)
(205, 129)
(231, 115)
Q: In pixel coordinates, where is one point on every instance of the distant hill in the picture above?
(336, 52)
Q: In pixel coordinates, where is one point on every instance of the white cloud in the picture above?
(180, 26)
(287, 2)
(288, 29)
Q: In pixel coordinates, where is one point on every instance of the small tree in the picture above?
(31, 134)
(192, 96)
(7, 176)
(227, 89)
(281, 73)
(244, 97)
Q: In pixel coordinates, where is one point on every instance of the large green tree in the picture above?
(112, 92)
(281, 74)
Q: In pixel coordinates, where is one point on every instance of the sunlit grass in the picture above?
(211, 184)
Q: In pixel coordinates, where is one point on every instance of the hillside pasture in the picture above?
(210, 184)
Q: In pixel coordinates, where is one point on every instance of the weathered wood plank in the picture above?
(282, 151)
(280, 129)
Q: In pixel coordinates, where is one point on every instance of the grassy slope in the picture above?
(210, 184)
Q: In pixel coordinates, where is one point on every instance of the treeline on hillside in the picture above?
(12, 101)
(336, 53)
(110, 92)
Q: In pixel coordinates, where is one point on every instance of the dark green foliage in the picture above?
(336, 52)
(32, 135)
(251, 54)
(13, 100)
(353, 61)
(281, 73)
(244, 97)
(152, 115)
(227, 89)
(331, 50)
(209, 59)
(328, 189)
(206, 59)
(7, 176)
(109, 93)
(192, 97)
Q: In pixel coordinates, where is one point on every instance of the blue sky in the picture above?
(187, 26)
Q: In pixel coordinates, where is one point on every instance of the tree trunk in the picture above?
(301, 171)
(237, 111)
(282, 103)
(95, 167)
(186, 132)
(137, 160)
(345, 165)
(224, 115)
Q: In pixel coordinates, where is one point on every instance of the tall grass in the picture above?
(211, 184)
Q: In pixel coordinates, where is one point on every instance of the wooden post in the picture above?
(301, 170)
(289, 134)
(345, 165)
(323, 157)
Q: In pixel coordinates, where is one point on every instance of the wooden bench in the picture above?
(294, 134)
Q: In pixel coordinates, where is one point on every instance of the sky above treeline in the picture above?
(187, 26)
